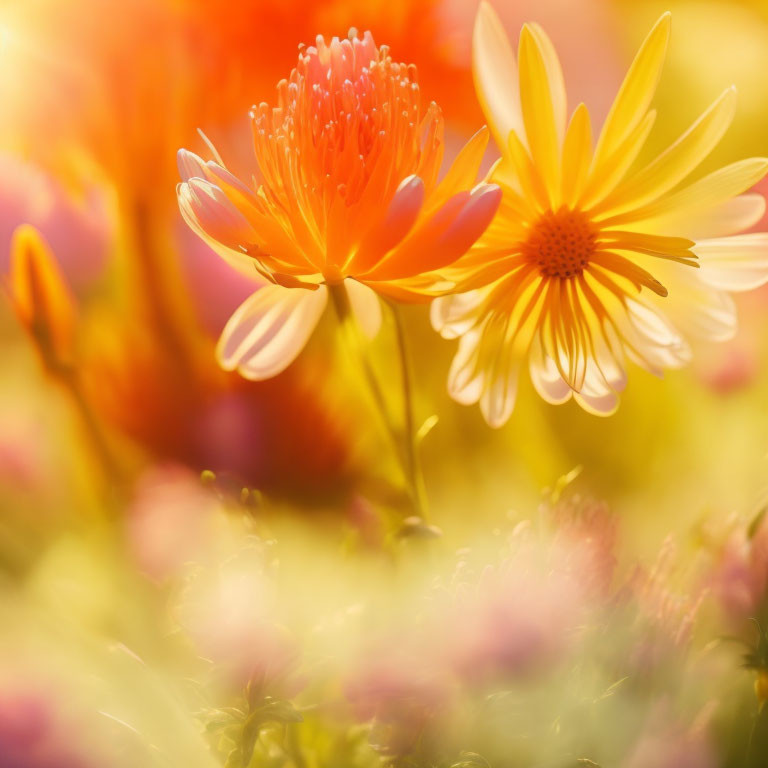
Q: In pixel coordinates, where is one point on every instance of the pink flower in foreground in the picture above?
(230, 612)
(400, 687)
(585, 543)
(170, 521)
(665, 610)
(514, 622)
(740, 576)
(669, 745)
(33, 733)
(348, 202)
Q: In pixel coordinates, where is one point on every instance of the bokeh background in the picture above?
(95, 99)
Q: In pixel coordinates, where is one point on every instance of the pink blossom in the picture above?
(400, 686)
(230, 613)
(170, 521)
(740, 576)
(665, 745)
(77, 230)
(514, 622)
(33, 731)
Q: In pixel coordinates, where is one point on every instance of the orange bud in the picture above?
(42, 299)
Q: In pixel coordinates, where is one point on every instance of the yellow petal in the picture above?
(713, 189)
(495, 75)
(527, 174)
(680, 159)
(577, 155)
(462, 173)
(555, 77)
(607, 173)
(637, 90)
(726, 218)
(538, 114)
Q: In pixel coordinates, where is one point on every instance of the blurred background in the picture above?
(96, 97)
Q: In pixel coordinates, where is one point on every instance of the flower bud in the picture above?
(41, 298)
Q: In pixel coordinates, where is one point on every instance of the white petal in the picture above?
(465, 380)
(267, 332)
(452, 316)
(217, 215)
(702, 311)
(657, 344)
(737, 263)
(597, 396)
(238, 260)
(609, 357)
(498, 399)
(546, 379)
(365, 306)
(650, 324)
(598, 405)
(190, 165)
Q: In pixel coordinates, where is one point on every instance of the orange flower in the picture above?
(349, 200)
(41, 298)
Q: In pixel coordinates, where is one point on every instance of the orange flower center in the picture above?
(561, 243)
(346, 110)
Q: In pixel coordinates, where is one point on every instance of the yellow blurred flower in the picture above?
(42, 300)
(589, 262)
(349, 196)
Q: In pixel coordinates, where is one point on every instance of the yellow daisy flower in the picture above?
(591, 261)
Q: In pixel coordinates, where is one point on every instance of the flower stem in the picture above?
(403, 448)
(71, 383)
(416, 476)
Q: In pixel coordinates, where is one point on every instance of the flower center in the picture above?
(346, 109)
(560, 243)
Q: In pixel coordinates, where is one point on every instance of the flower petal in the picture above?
(465, 377)
(637, 90)
(546, 379)
(500, 391)
(577, 154)
(365, 306)
(443, 237)
(400, 216)
(190, 165)
(495, 74)
(267, 332)
(538, 114)
(198, 217)
(737, 263)
(557, 90)
(720, 220)
(452, 316)
(679, 160)
(711, 190)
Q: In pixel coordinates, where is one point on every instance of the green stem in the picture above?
(416, 476)
(406, 459)
(71, 382)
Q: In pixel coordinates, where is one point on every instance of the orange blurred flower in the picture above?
(42, 300)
